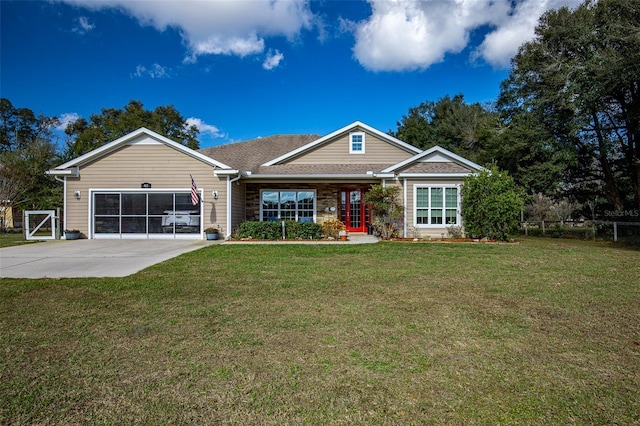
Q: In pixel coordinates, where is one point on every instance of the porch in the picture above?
(316, 202)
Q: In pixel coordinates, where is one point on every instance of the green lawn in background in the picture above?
(12, 239)
(544, 332)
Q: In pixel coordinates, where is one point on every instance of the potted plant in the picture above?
(343, 235)
(212, 233)
(71, 234)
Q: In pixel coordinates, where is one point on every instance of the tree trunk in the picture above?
(613, 194)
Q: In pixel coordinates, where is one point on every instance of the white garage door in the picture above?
(145, 214)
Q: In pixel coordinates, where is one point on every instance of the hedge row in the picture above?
(273, 230)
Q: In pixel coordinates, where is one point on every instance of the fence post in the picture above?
(543, 232)
(615, 231)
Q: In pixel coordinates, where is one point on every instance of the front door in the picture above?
(353, 210)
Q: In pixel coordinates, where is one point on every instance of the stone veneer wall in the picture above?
(326, 196)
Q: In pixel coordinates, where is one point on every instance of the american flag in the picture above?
(195, 199)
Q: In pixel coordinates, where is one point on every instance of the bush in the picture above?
(302, 230)
(386, 209)
(273, 230)
(331, 228)
(260, 230)
(491, 204)
(455, 232)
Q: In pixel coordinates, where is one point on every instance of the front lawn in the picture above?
(545, 332)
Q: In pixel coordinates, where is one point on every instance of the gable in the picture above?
(337, 151)
(330, 149)
(141, 136)
(136, 163)
(435, 160)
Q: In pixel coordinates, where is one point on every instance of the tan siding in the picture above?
(130, 166)
(238, 190)
(433, 232)
(377, 151)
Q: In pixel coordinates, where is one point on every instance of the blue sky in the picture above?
(245, 69)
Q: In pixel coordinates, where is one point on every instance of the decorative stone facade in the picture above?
(327, 197)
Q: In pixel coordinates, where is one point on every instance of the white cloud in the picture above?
(65, 119)
(415, 34)
(204, 128)
(502, 44)
(84, 26)
(156, 71)
(273, 60)
(217, 27)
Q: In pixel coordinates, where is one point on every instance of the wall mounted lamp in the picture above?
(215, 195)
(77, 195)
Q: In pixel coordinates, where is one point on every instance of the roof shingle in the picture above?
(249, 155)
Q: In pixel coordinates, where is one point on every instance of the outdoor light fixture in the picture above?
(77, 195)
(215, 195)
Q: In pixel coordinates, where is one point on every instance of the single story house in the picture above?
(145, 185)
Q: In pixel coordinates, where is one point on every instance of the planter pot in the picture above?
(213, 236)
(343, 238)
(71, 235)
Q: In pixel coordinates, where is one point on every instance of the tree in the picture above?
(386, 208)
(112, 124)
(491, 204)
(26, 152)
(579, 78)
(465, 129)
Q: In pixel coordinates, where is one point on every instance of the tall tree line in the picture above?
(567, 120)
(28, 145)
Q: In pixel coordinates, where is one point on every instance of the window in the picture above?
(436, 205)
(288, 205)
(356, 143)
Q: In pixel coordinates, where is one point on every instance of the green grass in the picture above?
(545, 332)
(8, 239)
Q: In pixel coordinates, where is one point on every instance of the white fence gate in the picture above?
(40, 224)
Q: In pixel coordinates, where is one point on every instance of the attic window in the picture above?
(356, 143)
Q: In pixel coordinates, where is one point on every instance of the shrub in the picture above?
(491, 204)
(260, 230)
(386, 208)
(302, 230)
(455, 232)
(331, 228)
(273, 230)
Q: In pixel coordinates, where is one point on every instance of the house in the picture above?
(141, 185)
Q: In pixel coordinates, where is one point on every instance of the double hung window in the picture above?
(356, 143)
(436, 205)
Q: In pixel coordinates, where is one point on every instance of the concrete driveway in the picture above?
(89, 258)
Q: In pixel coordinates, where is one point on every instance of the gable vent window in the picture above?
(356, 143)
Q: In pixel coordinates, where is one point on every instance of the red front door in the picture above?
(353, 210)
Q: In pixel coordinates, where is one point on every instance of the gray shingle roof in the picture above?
(249, 155)
(320, 169)
(433, 167)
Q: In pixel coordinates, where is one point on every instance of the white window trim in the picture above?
(437, 225)
(296, 190)
(351, 135)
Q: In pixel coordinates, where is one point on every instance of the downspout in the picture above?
(404, 201)
(230, 203)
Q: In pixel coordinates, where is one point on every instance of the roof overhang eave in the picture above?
(434, 175)
(71, 172)
(226, 172)
(315, 176)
